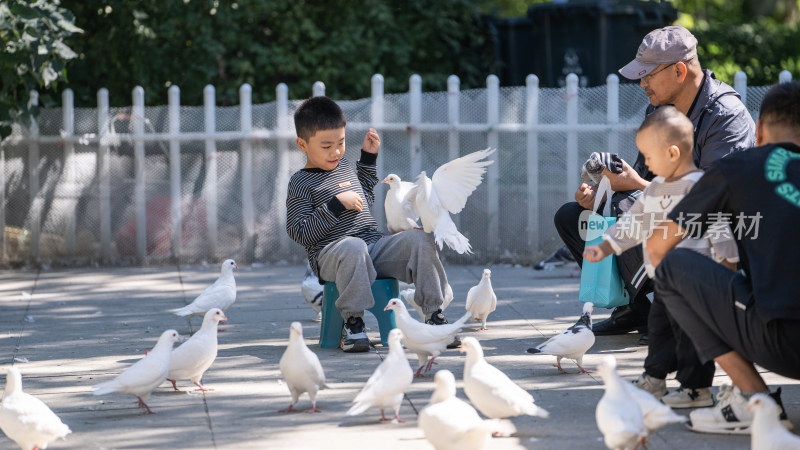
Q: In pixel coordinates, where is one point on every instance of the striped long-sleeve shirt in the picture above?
(315, 217)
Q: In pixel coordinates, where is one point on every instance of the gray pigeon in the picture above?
(572, 343)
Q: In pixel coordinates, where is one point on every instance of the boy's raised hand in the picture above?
(351, 200)
(372, 142)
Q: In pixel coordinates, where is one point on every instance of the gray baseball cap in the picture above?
(662, 46)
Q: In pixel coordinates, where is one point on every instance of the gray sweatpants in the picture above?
(409, 256)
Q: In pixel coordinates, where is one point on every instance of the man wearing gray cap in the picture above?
(668, 69)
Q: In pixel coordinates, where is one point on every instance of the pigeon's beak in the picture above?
(224, 317)
(386, 308)
(180, 339)
(462, 349)
(384, 181)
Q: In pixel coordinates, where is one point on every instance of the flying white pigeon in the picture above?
(408, 296)
(426, 340)
(387, 385)
(490, 390)
(481, 300)
(25, 419)
(220, 295)
(450, 423)
(446, 193)
(401, 214)
(618, 415)
(767, 431)
(301, 369)
(146, 374)
(572, 343)
(192, 358)
(655, 414)
(312, 291)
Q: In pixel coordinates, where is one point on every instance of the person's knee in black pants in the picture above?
(567, 221)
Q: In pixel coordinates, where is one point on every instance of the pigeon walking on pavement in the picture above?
(25, 419)
(221, 294)
(301, 369)
(192, 358)
(618, 415)
(426, 340)
(572, 343)
(312, 291)
(490, 390)
(767, 431)
(656, 415)
(481, 300)
(446, 193)
(408, 296)
(146, 374)
(401, 213)
(388, 384)
(450, 423)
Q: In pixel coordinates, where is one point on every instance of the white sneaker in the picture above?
(688, 398)
(730, 415)
(652, 385)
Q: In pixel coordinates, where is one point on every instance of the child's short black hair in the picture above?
(781, 105)
(315, 114)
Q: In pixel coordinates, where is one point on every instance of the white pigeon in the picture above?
(220, 295)
(388, 384)
(146, 374)
(446, 193)
(25, 419)
(301, 369)
(192, 358)
(767, 432)
(408, 296)
(655, 414)
(572, 343)
(450, 423)
(490, 390)
(618, 415)
(312, 291)
(426, 340)
(481, 300)
(401, 214)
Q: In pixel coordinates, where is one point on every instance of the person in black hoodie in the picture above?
(737, 319)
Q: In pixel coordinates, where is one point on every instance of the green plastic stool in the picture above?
(330, 332)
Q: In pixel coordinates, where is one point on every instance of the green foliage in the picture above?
(192, 43)
(761, 49)
(759, 37)
(33, 56)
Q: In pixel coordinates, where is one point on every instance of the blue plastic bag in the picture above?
(601, 283)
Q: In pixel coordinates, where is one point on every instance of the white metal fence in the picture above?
(152, 185)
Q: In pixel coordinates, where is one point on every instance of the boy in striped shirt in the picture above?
(328, 212)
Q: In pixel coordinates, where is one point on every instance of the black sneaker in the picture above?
(354, 336)
(558, 258)
(438, 318)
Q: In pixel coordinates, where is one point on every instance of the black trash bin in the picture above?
(591, 38)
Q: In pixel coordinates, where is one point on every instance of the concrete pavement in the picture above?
(67, 330)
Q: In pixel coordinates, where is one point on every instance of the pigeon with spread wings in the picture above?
(432, 200)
